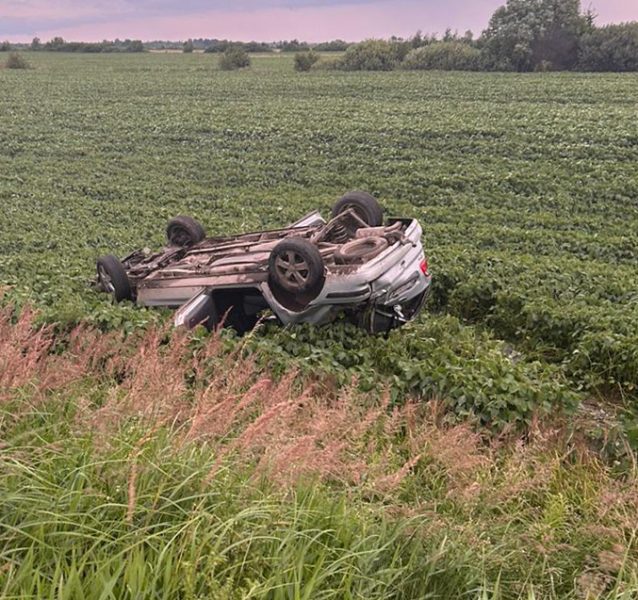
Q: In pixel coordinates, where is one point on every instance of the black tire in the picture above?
(360, 250)
(366, 206)
(184, 232)
(296, 266)
(113, 279)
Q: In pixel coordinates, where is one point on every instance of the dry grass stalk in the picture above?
(289, 429)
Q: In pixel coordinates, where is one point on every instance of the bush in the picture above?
(371, 55)
(5, 46)
(233, 58)
(444, 56)
(610, 48)
(305, 60)
(187, 48)
(16, 61)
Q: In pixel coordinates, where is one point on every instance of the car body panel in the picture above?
(190, 277)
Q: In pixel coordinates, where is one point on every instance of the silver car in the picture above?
(374, 272)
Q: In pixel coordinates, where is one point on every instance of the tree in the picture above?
(188, 47)
(5, 46)
(525, 33)
(293, 46)
(36, 44)
(417, 40)
(134, 46)
(610, 48)
(57, 43)
(448, 36)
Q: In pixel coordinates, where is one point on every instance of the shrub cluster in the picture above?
(220, 46)
(16, 61)
(444, 56)
(371, 55)
(304, 61)
(233, 58)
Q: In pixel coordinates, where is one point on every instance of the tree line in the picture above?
(522, 35)
(212, 45)
(59, 44)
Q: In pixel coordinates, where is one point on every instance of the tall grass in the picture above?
(162, 466)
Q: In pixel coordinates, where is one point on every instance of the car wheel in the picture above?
(296, 266)
(360, 250)
(113, 279)
(184, 232)
(366, 207)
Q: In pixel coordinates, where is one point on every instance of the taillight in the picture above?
(424, 267)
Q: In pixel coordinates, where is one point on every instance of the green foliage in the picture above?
(5, 46)
(135, 46)
(524, 33)
(527, 210)
(371, 55)
(16, 61)
(58, 44)
(444, 56)
(304, 61)
(193, 538)
(476, 377)
(293, 46)
(233, 58)
(526, 189)
(188, 47)
(332, 46)
(610, 48)
(219, 46)
(136, 513)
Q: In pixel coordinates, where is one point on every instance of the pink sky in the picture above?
(264, 20)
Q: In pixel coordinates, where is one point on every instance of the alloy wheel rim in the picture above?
(293, 269)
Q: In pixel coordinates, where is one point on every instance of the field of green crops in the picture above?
(527, 189)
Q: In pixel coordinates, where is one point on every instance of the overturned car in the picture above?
(375, 273)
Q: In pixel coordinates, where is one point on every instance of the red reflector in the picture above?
(424, 266)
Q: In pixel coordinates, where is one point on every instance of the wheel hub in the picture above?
(293, 269)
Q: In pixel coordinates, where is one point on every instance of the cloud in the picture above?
(255, 19)
(28, 17)
(238, 19)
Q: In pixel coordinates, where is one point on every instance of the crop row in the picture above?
(526, 187)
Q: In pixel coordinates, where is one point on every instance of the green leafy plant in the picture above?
(444, 56)
(304, 61)
(233, 58)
